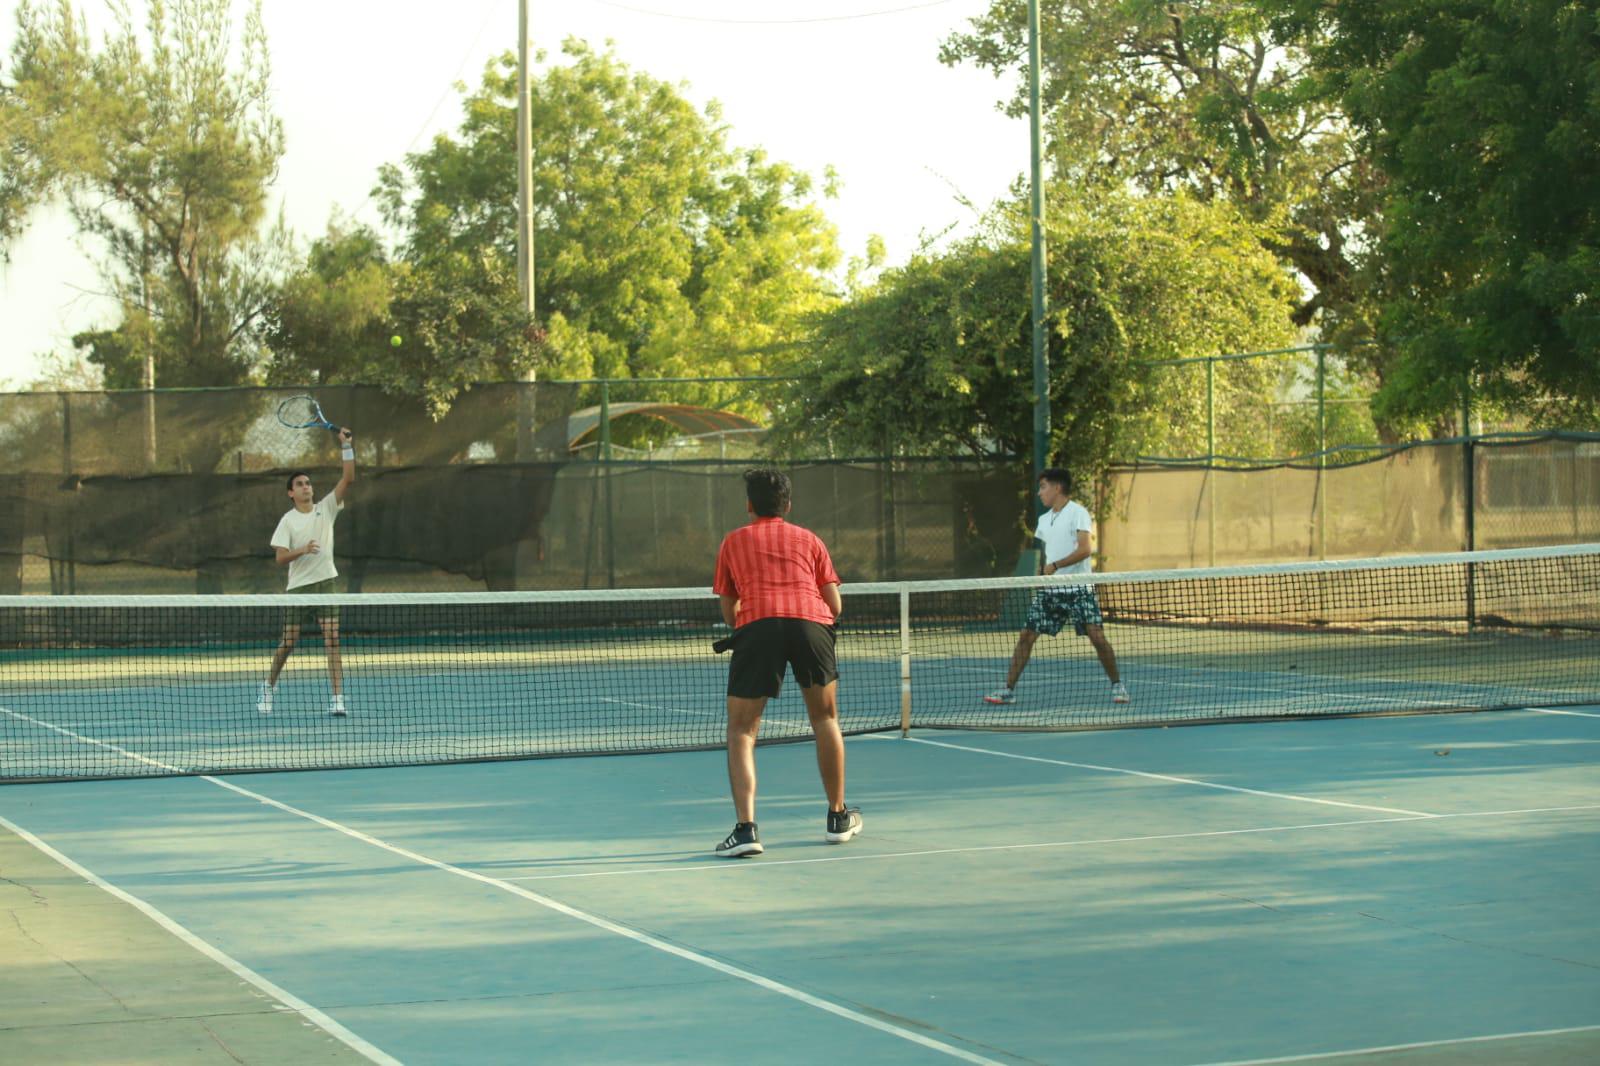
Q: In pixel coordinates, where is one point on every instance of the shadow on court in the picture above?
(1166, 896)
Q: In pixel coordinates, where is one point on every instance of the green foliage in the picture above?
(936, 358)
(328, 321)
(1346, 415)
(59, 372)
(24, 175)
(660, 251)
(1485, 115)
(164, 155)
(119, 353)
(1208, 96)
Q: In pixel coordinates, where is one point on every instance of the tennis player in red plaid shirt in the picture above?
(780, 594)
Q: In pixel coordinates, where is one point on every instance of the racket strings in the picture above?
(300, 412)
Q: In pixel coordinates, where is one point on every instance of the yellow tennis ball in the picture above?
(395, 340)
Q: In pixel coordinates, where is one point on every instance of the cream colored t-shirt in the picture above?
(299, 528)
(1058, 530)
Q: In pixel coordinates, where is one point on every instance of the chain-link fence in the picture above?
(581, 524)
(525, 486)
(180, 491)
(1496, 491)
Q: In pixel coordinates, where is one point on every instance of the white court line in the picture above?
(763, 982)
(1298, 680)
(595, 920)
(1553, 710)
(1288, 697)
(1145, 681)
(859, 856)
(606, 924)
(135, 756)
(656, 707)
(1408, 1047)
(1169, 777)
(234, 966)
(724, 864)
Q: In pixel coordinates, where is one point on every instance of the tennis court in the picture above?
(1310, 880)
(1170, 896)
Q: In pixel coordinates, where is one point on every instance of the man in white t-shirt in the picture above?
(303, 542)
(1064, 531)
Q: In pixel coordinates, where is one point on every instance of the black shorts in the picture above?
(761, 650)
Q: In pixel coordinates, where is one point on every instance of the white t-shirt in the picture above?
(1058, 531)
(299, 528)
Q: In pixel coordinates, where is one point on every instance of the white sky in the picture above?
(359, 83)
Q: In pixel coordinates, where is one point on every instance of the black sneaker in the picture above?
(842, 825)
(744, 840)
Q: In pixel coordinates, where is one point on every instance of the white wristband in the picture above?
(349, 454)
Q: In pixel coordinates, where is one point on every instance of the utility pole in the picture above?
(1041, 357)
(525, 261)
(526, 551)
(524, 162)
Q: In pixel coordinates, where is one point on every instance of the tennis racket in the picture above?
(302, 412)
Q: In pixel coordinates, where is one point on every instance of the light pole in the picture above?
(525, 291)
(524, 163)
(1041, 356)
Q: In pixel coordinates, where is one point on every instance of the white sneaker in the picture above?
(336, 707)
(264, 699)
(1001, 695)
(1119, 693)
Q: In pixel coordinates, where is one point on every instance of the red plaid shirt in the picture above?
(777, 570)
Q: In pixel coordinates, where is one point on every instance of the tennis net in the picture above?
(137, 685)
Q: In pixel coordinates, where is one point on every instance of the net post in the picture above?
(1036, 211)
(905, 661)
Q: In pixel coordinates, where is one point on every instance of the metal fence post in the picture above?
(606, 472)
(1322, 450)
(1211, 463)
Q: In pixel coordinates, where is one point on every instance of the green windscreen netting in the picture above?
(176, 492)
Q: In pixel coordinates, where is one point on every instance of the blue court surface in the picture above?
(1384, 889)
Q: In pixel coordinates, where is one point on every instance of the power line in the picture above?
(771, 22)
(490, 11)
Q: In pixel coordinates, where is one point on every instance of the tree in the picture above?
(936, 358)
(660, 250)
(1346, 417)
(1208, 96)
(1485, 117)
(23, 175)
(328, 322)
(163, 154)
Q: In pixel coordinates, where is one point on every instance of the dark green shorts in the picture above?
(321, 613)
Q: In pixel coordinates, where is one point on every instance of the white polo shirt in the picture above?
(1058, 531)
(299, 528)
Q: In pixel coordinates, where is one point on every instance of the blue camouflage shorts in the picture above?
(1052, 609)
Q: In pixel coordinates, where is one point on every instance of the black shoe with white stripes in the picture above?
(842, 825)
(744, 840)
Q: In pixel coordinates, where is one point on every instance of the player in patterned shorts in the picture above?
(1064, 530)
